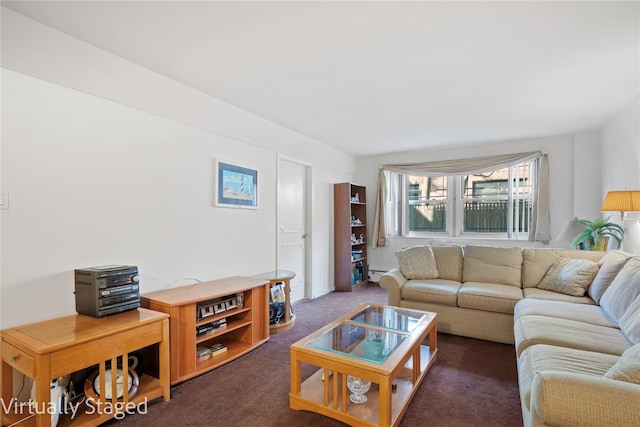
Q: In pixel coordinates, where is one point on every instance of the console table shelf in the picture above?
(231, 326)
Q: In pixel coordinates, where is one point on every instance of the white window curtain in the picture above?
(540, 230)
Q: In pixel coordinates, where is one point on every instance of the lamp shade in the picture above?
(621, 201)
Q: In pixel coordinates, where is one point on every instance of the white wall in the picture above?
(565, 179)
(107, 162)
(621, 164)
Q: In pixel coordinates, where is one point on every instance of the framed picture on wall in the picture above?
(235, 186)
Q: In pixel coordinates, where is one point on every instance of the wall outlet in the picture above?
(4, 199)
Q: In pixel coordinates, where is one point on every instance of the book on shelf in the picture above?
(211, 326)
(217, 349)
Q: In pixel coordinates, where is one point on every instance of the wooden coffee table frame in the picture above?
(325, 392)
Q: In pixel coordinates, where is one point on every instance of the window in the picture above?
(496, 203)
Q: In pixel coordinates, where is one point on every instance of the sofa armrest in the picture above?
(571, 399)
(392, 281)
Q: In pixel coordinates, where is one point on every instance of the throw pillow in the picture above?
(624, 289)
(610, 266)
(627, 368)
(569, 276)
(417, 262)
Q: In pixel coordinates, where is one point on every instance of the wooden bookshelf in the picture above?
(350, 219)
(246, 325)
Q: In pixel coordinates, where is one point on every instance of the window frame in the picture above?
(455, 201)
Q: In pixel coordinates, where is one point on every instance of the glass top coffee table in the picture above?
(371, 362)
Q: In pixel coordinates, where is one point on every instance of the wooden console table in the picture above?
(281, 276)
(53, 348)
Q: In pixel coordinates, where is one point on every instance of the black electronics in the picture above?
(105, 290)
(276, 312)
(218, 305)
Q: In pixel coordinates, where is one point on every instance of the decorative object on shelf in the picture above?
(357, 240)
(330, 374)
(621, 201)
(235, 186)
(595, 236)
(355, 221)
(355, 198)
(276, 312)
(202, 354)
(135, 361)
(277, 293)
(92, 384)
(59, 398)
(358, 388)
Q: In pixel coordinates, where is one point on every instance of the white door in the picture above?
(292, 223)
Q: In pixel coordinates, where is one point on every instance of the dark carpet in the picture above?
(473, 382)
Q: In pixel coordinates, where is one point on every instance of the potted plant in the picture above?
(596, 236)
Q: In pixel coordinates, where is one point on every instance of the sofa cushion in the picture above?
(449, 262)
(536, 262)
(417, 262)
(489, 297)
(569, 276)
(534, 329)
(489, 264)
(435, 291)
(627, 368)
(541, 294)
(540, 358)
(610, 266)
(623, 290)
(564, 310)
(630, 322)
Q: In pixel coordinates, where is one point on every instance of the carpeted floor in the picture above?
(473, 382)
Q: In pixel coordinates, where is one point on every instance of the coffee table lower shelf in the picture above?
(317, 393)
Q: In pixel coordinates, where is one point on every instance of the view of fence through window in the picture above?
(428, 203)
(492, 202)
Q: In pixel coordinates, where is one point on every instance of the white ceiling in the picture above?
(377, 77)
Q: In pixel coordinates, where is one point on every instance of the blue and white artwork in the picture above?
(236, 186)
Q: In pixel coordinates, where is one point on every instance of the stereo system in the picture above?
(218, 305)
(105, 290)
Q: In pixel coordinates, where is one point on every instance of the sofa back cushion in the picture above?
(627, 368)
(536, 262)
(610, 266)
(622, 292)
(417, 262)
(491, 264)
(630, 322)
(570, 276)
(449, 262)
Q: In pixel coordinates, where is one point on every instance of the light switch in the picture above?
(4, 199)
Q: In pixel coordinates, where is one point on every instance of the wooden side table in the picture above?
(281, 276)
(53, 348)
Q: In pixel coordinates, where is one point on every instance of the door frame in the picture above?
(308, 204)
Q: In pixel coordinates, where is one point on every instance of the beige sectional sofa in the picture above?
(578, 355)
